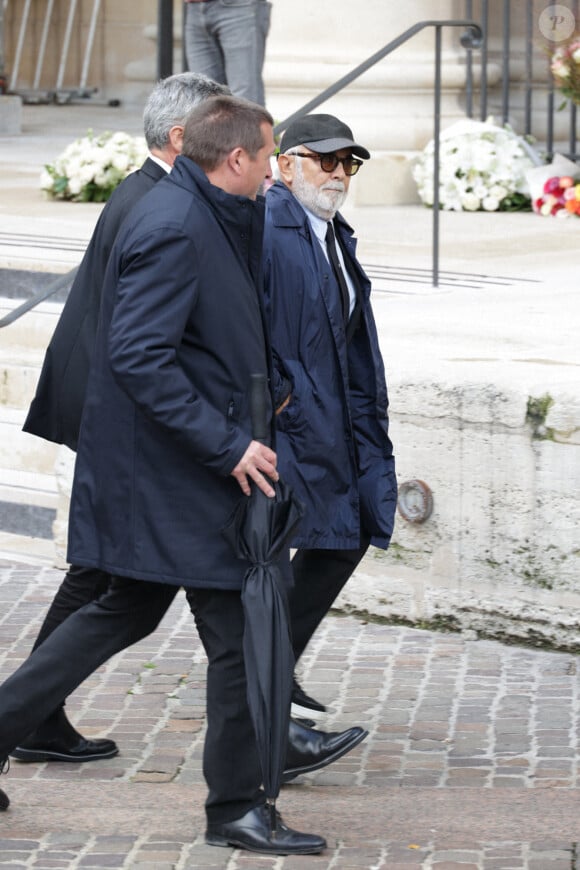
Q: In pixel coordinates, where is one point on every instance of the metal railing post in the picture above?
(483, 82)
(529, 67)
(164, 38)
(2, 73)
(19, 45)
(436, 150)
(505, 84)
(469, 67)
(184, 63)
(66, 44)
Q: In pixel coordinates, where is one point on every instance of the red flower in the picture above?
(561, 193)
(552, 184)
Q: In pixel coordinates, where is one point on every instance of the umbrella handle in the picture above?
(258, 415)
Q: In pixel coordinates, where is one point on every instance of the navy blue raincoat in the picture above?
(166, 416)
(332, 437)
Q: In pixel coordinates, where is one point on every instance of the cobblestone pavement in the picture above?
(471, 760)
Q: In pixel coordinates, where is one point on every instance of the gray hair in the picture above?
(170, 102)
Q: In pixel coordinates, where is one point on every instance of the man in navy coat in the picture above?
(332, 442)
(165, 452)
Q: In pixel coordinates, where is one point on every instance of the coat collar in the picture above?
(241, 218)
(230, 208)
(153, 170)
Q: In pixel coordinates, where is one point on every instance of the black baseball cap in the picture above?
(321, 133)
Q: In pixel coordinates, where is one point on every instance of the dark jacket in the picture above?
(166, 416)
(332, 438)
(55, 412)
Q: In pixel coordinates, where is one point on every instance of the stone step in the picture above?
(21, 452)
(18, 379)
(23, 345)
(19, 486)
(27, 549)
(28, 485)
(28, 510)
(28, 337)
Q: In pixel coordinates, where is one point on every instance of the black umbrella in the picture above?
(259, 533)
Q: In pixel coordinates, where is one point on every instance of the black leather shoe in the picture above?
(301, 699)
(254, 832)
(4, 799)
(58, 749)
(309, 749)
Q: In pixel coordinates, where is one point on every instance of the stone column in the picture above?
(390, 108)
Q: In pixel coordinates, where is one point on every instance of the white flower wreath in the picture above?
(481, 167)
(89, 169)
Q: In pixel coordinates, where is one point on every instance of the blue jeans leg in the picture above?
(225, 40)
(202, 48)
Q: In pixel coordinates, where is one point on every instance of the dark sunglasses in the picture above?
(329, 162)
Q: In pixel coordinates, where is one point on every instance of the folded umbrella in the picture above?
(259, 532)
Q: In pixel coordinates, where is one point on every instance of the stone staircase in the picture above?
(484, 383)
(28, 485)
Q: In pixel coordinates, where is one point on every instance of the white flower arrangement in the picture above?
(482, 167)
(89, 169)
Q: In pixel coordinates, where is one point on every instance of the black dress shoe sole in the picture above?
(30, 755)
(218, 840)
(305, 702)
(292, 772)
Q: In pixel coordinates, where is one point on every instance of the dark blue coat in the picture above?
(166, 416)
(332, 438)
(56, 410)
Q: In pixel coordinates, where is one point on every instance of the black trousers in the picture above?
(81, 586)
(319, 576)
(96, 631)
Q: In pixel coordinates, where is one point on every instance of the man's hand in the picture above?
(257, 461)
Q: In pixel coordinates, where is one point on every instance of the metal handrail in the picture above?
(59, 284)
(470, 39)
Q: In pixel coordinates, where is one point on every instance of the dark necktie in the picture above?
(337, 269)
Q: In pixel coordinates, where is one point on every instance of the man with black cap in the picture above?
(331, 396)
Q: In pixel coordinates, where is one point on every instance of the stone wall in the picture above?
(500, 554)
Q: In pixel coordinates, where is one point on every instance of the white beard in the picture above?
(323, 201)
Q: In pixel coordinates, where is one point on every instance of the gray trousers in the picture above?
(226, 41)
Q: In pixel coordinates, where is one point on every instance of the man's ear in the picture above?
(176, 138)
(235, 160)
(285, 168)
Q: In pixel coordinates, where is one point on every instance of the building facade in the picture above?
(71, 45)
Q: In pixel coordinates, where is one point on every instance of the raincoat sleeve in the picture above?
(152, 308)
